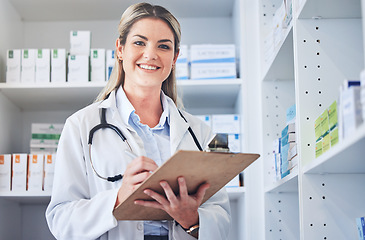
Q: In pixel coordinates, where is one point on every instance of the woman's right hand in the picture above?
(137, 171)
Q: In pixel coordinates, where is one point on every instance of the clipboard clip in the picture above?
(219, 143)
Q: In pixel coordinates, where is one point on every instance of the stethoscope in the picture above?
(104, 125)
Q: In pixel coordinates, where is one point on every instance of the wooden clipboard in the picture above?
(197, 167)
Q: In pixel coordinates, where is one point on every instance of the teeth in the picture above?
(147, 67)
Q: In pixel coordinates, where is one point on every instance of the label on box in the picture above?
(334, 136)
(326, 141)
(213, 71)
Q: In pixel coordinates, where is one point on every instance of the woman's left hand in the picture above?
(183, 208)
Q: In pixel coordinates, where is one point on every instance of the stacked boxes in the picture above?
(13, 66)
(326, 129)
(213, 61)
(78, 60)
(45, 137)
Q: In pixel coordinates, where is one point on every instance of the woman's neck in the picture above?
(147, 104)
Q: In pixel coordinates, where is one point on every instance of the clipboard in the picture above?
(198, 167)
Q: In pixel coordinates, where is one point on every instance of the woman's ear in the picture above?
(176, 56)
(119, 48)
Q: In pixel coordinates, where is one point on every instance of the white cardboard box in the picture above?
(13, 65)
(80, 42)
(226, 123)
(207, 119)
(78, 68)
(58, 65)
(43, 66)
(49, 163)
(19, 172)
(5, 172)
(35, 172)
(28, 65)
(97, 65)
(234, 142)
(201, 71)
(212, 53)
(45, 135)
(110, 61)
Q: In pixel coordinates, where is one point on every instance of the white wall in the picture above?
(104, 33)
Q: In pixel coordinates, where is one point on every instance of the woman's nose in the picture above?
(150, 53)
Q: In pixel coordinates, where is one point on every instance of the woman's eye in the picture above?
(163, 46)
(139, 43)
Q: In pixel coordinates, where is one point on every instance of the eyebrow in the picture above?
(160, 41)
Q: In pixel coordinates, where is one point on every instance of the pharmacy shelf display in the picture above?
(20, 105)
(321, 199)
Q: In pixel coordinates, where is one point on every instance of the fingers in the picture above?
(141, 164)
(201, 192)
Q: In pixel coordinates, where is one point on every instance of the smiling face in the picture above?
(148, 54)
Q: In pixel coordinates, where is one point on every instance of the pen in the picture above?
(131, 154)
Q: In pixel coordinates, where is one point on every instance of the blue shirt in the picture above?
(156, 142)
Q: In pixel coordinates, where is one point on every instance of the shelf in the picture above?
(74, 96)
(282, 65)
(330, 9)
(346, 157)
(288, 184)
(27, 197)
(235, 193)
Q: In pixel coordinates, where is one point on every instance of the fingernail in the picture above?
(181, 179)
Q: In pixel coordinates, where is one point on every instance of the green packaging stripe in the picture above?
(39, 53)
(46, 136)
(11, 54)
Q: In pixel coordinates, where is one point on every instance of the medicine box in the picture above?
(78, 68)
(49, 163)
(43, 66)
(207, 119)
(203, 71)
(360, 222)
(97, 65)
(212, 53)
(291, 114)
(28, 65)
(182, 65)
(19, 172)
(226, 123)
(5, 172)
(234, 143)
(58, 65)
(80, 42)
(351, 109)
(45, 135)
(13, 65)
(35, 172)
(213, 61)
(110, 61)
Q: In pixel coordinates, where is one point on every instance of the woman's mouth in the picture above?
(148, 67)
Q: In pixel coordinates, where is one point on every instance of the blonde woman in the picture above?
(99, 165)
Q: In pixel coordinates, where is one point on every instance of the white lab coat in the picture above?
(81, 204)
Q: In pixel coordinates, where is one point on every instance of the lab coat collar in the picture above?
(178, 126)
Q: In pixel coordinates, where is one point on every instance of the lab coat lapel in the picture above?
(178, 128)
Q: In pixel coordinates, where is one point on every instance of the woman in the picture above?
(139, 99)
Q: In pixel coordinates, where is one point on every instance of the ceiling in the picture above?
(84, 10)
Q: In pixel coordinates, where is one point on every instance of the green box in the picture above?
(318, 148)
(332, 115)
(324, 123)
(326, 140)
(318, 128)
(334, 136)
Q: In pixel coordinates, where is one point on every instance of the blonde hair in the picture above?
(131, 15)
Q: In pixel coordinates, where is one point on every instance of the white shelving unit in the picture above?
(20, 104)
(323, 46)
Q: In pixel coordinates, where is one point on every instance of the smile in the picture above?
(148, 67)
